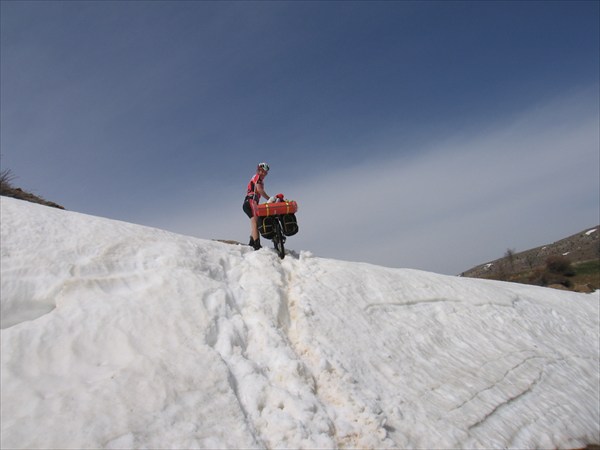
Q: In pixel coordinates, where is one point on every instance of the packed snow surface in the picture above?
(116, 335)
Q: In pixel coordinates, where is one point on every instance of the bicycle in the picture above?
(277, 221)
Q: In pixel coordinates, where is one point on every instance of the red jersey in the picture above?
(251, 192)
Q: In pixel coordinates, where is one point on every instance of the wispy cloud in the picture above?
(458, 202)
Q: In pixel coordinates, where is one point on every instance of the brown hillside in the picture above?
(530, 266)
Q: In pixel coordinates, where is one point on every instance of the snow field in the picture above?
(121, 336)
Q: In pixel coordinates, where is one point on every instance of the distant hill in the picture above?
(580, 252)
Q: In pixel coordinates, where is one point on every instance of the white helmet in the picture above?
(264, 166)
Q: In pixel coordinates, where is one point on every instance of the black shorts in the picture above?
(247, 207)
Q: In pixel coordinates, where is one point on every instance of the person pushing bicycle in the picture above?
(254, 192)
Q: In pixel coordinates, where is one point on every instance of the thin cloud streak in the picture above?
(516, 186)
(461, 201)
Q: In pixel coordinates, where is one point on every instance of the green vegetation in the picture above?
(588, 273)
(588, 268)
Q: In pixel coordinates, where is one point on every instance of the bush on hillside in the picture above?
(8, 190)
(543, 277)
(557, 271)
(6, 179)
(559, 265)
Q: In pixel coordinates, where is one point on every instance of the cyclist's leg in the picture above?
(254, 235)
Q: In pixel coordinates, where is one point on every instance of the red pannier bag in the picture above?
(275, 209)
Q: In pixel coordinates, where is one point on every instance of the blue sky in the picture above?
(429, 135)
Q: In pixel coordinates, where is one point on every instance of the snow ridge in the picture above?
(121, 336)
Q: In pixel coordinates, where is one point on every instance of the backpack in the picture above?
(289, 224)
(265, 226)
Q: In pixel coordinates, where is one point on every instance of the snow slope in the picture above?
(116, 335)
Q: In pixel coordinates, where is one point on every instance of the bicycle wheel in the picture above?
(278, 240)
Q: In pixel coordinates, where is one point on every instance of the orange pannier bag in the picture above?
(275, 209)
